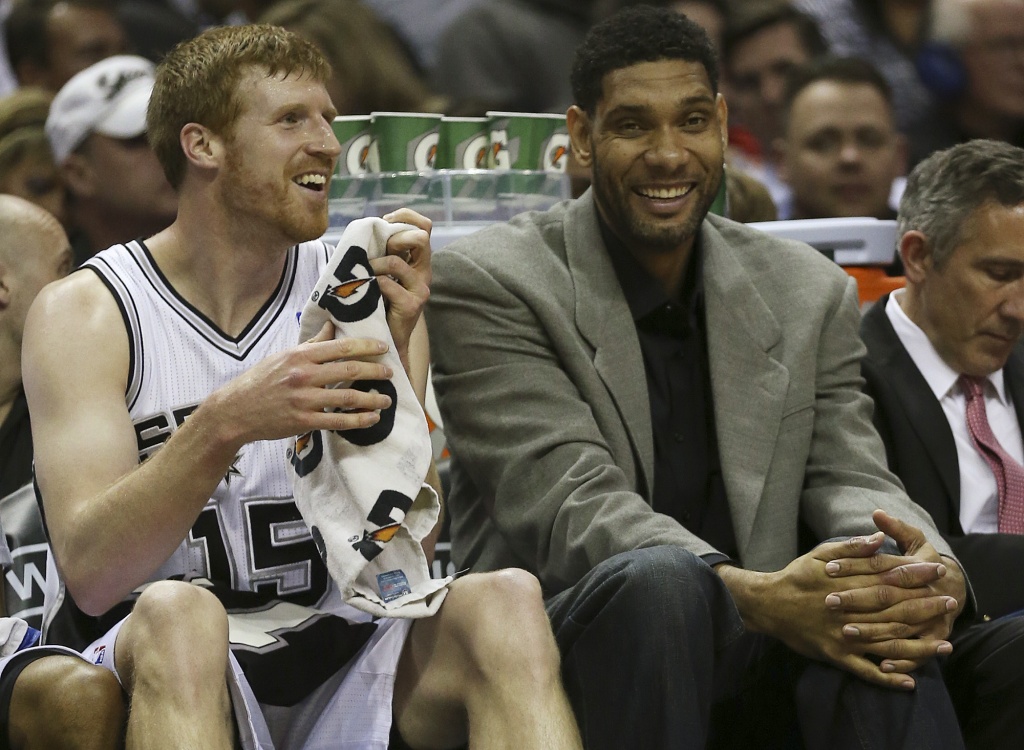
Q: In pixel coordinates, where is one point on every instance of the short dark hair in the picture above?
(806, 27)
(945, 189)
(636, 35)
(851, 70)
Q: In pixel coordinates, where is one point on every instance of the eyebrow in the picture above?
(689, 101)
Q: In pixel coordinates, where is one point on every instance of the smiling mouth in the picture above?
(312, 181)
(662, 194)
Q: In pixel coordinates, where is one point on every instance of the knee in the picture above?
(658, 592)
(499, 618)
(173, 610)
(63, 701)
(176, 625)
(666, 578)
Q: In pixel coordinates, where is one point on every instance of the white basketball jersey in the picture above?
(249, 542)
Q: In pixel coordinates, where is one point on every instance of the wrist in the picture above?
(749, 590)
(220, 437)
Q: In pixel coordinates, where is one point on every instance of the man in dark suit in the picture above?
(945, 367)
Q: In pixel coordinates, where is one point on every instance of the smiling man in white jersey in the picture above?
(183, 343)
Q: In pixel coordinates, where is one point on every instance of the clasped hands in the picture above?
(877, 615)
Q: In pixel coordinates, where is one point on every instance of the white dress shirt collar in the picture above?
(940, 376)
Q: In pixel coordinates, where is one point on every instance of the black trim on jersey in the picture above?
(134, 339)
(254, 331)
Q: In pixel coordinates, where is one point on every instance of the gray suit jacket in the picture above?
(542, 389)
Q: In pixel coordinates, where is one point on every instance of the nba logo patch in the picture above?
(99, 654)
(393, 585)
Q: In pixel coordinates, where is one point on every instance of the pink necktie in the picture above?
(1009, 474)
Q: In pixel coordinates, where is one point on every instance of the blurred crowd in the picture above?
(831, 102)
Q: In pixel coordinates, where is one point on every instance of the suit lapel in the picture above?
(748, 384)
(603, 318)
(923, 410)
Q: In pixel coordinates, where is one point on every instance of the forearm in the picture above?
(108, 544)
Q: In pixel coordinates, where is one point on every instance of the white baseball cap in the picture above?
(109, 97)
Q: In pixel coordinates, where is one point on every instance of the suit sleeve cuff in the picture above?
(717, 558)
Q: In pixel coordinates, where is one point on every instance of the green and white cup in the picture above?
(463, 143)
(406, 141)
(533, 141)
(463, 148)
(355, 134)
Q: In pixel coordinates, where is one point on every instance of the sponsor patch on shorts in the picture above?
(393, 585)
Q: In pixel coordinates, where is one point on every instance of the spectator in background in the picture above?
(945, 363)
(511, 55)
(33, 252)
(26, 164)
(927, 51)
(97, 131)
(421, 32)
(59, 702)
(992, 104)
(48, 41)
(371, 70)
(840, 151)
(761, 47)
(516, 54)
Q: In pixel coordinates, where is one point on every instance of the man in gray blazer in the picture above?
(658, 412)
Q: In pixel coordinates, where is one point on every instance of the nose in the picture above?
(1013, 305)
(773, 87)
(324, 141)
(665, 149)
(849, 151)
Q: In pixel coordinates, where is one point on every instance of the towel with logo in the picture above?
(362, 491)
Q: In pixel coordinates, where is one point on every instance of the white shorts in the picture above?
(350, 711)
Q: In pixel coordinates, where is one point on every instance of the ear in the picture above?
(580, 130)
(201, 146)
(78, 175)
(916, 255)
(723, 119)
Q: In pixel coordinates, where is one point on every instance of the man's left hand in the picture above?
(898, 604)
(404, 277)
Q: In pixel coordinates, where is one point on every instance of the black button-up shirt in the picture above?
(687, 477)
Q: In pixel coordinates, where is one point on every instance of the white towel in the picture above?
(361, 492)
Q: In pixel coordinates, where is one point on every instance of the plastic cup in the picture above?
(355, 135)
(531, 141)
(463, 143)
(406, 141)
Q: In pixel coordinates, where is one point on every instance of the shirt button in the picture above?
(678, 437)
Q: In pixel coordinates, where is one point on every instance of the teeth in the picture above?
(666, 193)
(311, 179)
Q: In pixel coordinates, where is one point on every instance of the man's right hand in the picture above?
(790, 605)
(296, 391)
